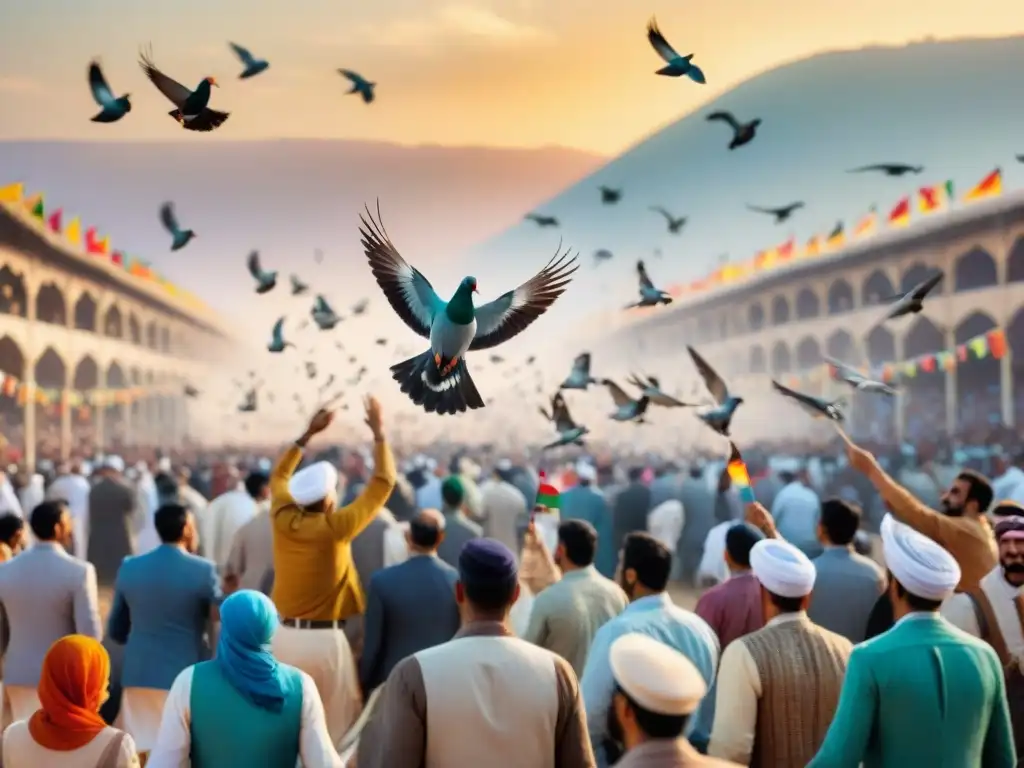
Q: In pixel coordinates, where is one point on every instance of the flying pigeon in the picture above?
(674, 224)
(579, 377)
(626, 408)
(381, 342)
(542, 221)
(310, 370)
(113, 108)
(438, 379)
(649, 295)
(323, 315)
(569, 432)
(781, 214)
(190, 107)
(298, 287)
(603, 254)
(850, 375)
(531, 359)
(720, 416)
(890, 169)
(610, 196)
(651, 388)
(360, 306)
(265, 281)
(913, 302)
(359, 84)
(496, 359)
(191, 391)
(677, 65)
(179, 237)
(742, 133)
(277, 342)
(249, 404)
(253, 66)
(816, 406)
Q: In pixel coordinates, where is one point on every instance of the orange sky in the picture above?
(505, 72)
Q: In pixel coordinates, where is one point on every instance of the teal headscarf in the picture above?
(248, 620)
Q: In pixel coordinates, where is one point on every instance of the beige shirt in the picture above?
(959, 610)
(662, 753)
(252, 551)
(21, 751)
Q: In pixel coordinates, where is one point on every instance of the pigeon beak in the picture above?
(475, 289)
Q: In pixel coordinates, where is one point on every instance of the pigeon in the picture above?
(626, 408)
(322, 314)
(1020, 158)
(113, 108)
(850, 375)
(191, 391)
(542, 221)
(742, 133)
(190, 107)
(913, 302)
(381, 342)
(890, 169)
(310, 370)
(496, 359)
(277, 342)
(610, 196)
(649, 295)
(603, 254)
(438, 379)
(179, 237)
(569, 432)
(720, 416)
(651, 388)
(674, 224)
(360, 306)
(360, 85)
(816, 406)
(531, 359)
(781, 214)
(265, 281)
(579, 377)
(298, 287)
(249, 404)
(253, 66)
(677, 65)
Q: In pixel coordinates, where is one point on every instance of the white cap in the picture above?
(164, 464)
(264, 465)
(115, 463)
(923, 567)
(658, 678)
(782, 569)
(86, 468)
(503, 465)
(586, 471)
(314, 483)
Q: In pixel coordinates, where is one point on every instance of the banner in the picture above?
(990, 186)
(12, 193)
(12, 386)
(73, 231)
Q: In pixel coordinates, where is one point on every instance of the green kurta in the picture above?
(922, 694)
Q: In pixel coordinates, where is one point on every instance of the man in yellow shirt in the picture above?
(316, 587)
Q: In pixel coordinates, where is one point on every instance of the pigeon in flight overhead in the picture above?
(438, 379)
(719, 417)
(179, 237)
(610, 195)
(249, 403)
(112, 108)
(191, 391)
(381, 341)
(569, 432)
(360, 85)
(277, 342)
(913, 301)
(579, 377)
(298, 287)
(323, 314)
(781, 214)
(1020, 158)
(889, 169)
(649, 295)
(310, 370)
(360, 306)
(253, 66)
(626, 408)
(265, 281)
(818, 407)
(603, 254)
(541, 221)
(496, 359)
(191, 108)
(850, 375)
(742, 133)
(651, 388)
(676, 65)
(674, 224)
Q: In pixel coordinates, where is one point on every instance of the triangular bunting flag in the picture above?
(73, 231)
(37, 210)
(12, 193)
(54, 221)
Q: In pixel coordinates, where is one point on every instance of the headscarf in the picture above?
(72, 686)
(248, 620)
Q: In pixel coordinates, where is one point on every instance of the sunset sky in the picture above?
(518, 73)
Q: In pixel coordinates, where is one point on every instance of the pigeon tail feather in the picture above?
(422, 382)
(669, 71)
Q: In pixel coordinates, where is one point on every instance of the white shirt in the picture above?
(712, 562)
(8, 498)
(220, 521)
(1009, 486)
(396, 548)
(665, 523)
(959, 610)
(174, 742)
(74, 489)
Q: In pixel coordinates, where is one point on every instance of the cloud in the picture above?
(19, 84)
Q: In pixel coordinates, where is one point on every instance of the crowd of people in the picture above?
(859, 611)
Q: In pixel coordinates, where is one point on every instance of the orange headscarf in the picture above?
(72, 686)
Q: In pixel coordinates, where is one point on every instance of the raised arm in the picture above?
(289, 461)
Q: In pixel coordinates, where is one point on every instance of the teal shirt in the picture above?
(922, 694)
(227, 729)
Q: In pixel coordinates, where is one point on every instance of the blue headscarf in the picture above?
(247, 622)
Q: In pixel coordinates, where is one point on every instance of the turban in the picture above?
(116, 463)
(658, 678)
(923, 567)
(782, 569)
(487, 563)
(586, 471)
(1010, 527)
(1007, 508)
(314, 483)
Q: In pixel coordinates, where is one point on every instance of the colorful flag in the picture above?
(787, 250)
(836, 237)
(38, 211)
(117, 258)
(104, 245)
(900, 215)
(813, 247)
(12, 193)
(990, 186)
(867, 224)
(766, 259)
(92, 241)
(73, 231)
(930, 199)
(54, 221)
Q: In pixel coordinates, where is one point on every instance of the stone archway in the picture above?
(51, 308)
(974, 270)
(1015, 262)
(85, 313)
(977, 381)
(86, 380)
(134, 329)
(780, 310)
(13, 295)
(916, 274)
(877, 289)
(114, 422)
(152, 338)
(758, 364)
(925, 393)
(808, 353)
(840, 297)
(1015, 341)
(12, 363)
(781, 359)
(807, 304)
(755, 316)
(113, 325)
(51, 375)
(841, 346)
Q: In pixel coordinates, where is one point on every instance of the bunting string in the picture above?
(13, 387)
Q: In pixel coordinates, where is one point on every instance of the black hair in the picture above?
(785, 604)
(840, 519)
(425, 533)
(170, 521)
(490, 597)
(915, 602)
(166, 485)
(580, 541)
(739, 540)
(10, 525)
(635, 474)
(979, 489)
(651, 560)
(654, 724)
(45, 519)
(255, 482)
(696, 472)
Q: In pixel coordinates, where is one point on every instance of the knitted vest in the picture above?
(801, 668)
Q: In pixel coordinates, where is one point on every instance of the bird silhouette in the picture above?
(674, 224)
(781, 214)
(676, 65)
(265, 281)
(179, 237)
(742, 133)
(113, 108)
(889, 169)
(850, 375)
(719, 417)
(912, 302)
(626, 407)
(579, 377)
(610, 195)
(191, 108)
(569, 432)
(253, 66)
(360, 85)
(249, 404)
(310, 370)
(651, 387)
(381, 341)
(298, 287)
(360, 306)
(277, 342)
(496, 359)
(541, 221)
(818, 407)
(191, 391)
(602, 254)
(324, 315)
(650, 296)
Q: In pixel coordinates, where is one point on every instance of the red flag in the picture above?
(117, 258)
(93, 244)
(900, 215)
(55, 221)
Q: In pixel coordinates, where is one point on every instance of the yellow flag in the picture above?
(105, 245)
(73, 231)
(12, 193)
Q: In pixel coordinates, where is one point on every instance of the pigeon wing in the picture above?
(659, 43)
(168, 219)
(353, 77)
(711, 378)
(865, 168)
(253, 263)
(645, 280)
(927, 286)
(243, 54)
(725, 117)
(663, 212)
(278, 332)
(510, 314)
(582, 363)
(619, 397)
(560, 415)
(410, 294)
(808, 403)
(101, 92)
(206, 121)
(758, 209)
(175, 92)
